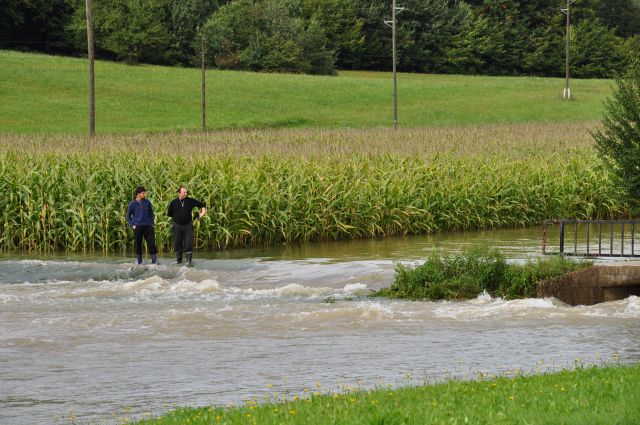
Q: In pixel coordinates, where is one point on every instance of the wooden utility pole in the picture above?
(91, 57)
(395, 85)
(204, 84)
(567, 91)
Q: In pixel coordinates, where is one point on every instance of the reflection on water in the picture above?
(96, 335)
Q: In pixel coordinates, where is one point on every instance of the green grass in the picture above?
(472, 272)
(48, 94)
(598, 395)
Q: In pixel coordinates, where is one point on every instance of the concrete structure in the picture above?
(599, 283)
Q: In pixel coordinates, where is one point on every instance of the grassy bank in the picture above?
(607, 395)
(470, 273)
(47, 94)
(284, 186)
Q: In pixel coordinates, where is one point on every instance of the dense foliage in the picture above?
(618, 141)
(495, 37)
(471, 273)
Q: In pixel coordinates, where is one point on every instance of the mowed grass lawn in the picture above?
(48, 94)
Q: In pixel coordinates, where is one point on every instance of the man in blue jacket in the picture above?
(140, 217)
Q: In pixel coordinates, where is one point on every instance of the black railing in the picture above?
(591, 238)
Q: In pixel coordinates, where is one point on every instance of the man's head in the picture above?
(141, 192)
(182, 192)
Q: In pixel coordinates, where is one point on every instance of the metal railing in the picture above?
(587, 239)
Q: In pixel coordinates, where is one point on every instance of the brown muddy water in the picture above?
(93, 337)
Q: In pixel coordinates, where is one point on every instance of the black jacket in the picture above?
(181, 210)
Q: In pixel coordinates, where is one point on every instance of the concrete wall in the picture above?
(596, 284)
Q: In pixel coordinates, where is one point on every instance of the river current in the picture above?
(94, 338)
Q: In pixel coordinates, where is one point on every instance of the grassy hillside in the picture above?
(47, 94)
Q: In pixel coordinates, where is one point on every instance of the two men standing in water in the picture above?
(140, 217)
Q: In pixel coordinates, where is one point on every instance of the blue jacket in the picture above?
(140, 213)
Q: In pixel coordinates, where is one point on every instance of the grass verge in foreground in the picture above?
(598, 395)
(470, 273)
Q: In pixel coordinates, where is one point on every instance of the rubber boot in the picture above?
(139, 259)
(154, 259)
(178, 257)
(189, 258)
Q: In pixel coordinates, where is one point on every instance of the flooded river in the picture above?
(94, 337)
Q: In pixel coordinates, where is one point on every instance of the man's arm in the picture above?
(203, 210)
(170, 210)
(129, 214)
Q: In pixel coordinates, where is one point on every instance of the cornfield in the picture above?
(262, 188)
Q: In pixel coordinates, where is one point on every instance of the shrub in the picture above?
(471, 273)
(618, 141)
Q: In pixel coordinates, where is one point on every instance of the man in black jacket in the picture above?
(180, 210)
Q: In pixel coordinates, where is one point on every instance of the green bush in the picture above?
(471, 273)
(522, 279)
(618, 141)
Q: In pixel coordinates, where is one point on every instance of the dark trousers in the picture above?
(149, 235)
(183, 237)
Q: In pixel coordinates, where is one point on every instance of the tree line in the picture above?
(490, 37)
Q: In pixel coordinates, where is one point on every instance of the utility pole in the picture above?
(567, 91)
(204, 85)
(394, 11)
(91, 57)
(395, 82)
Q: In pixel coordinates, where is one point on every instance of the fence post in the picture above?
(588, 236)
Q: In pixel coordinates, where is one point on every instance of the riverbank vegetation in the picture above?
(594, 395)
(45, 94)
(470, 273)
(268, 187)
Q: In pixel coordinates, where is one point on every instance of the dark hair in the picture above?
(182, 187)
(140, 189)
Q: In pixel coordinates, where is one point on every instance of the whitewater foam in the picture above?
(626, 308)
(484, 306)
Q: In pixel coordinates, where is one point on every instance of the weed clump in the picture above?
(473, 272)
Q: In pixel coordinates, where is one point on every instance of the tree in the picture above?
(265, 36)
(36, 25)
(622, 15)
(376, 50)
(11, 19)
(595, 51)
(632, 46)
(618, 141)
(492, 42)
(546, 54)
(544, 37)
(184, 18)
(341, 24)
(132, 30)
(426, 29)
